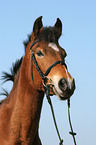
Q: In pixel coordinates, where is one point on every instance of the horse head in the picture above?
(48, 53)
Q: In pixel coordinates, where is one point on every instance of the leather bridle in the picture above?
(44, 75)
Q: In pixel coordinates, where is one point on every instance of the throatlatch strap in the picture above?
(35, 62)
(71, 132)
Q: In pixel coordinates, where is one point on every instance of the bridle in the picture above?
(47, 90)
(43, 75)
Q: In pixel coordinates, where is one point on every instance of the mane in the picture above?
(10, 76)
(4, 93)
(26, 42)
(15, 68)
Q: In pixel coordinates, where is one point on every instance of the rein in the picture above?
(47, 91)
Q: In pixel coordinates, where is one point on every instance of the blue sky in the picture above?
(78, 39)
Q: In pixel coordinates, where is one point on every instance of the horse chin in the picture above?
(62, 95)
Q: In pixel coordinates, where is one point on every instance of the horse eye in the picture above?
(39, 53)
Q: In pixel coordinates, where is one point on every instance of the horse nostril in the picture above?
(63, 84)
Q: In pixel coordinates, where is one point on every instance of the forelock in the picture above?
(48, 34)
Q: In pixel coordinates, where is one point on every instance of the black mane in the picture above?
(15, 67)
(10, 76)
(26, 42)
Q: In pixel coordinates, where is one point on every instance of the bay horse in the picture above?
(20, 111)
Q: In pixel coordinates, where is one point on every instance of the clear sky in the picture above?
(78, 39)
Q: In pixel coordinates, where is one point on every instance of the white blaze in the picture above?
(69, 80)
(53, 46)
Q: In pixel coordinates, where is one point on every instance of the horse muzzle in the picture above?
(64, 88)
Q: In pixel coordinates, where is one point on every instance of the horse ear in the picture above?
(38, 26)
(58, 26)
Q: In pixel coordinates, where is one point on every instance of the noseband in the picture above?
(47, 91)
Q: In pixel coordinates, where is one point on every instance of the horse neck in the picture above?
(29, 93)
(28, 100)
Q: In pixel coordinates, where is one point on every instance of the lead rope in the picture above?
(71, 132)
(47, 90)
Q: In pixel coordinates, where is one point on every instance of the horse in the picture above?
(20, 111)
